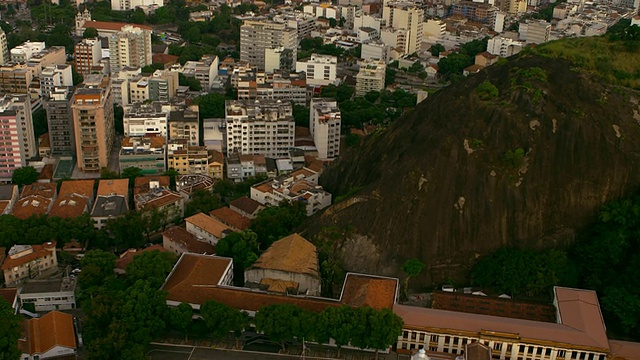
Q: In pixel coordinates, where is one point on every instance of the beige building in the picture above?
(405, 16)
(16, 78)
(324, 122)
(187, 159)
(87, 54)
(28, 261)
(179, 241)
(280, 85)
(184, 124)
(92, 110)
(256, 36)
(289, 265)
(131, 46)
(4, 48)
(206, 228)
(370, 77)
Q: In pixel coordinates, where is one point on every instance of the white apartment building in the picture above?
(405, 16)
(284, 86)
(534, 31)
(370, 77)
(147, 119)
(322, 10)
(395, 39)
(375, 50)
(87, 54)
(120, 84)
(276, 59)
(131, 46)
(124, 5)
(204, 70)
(320, 69)
(302, 22)
(367, 21)
(23, 53)
(324, 123)
(55, 76)
(504, 47)
(4, 48)
(258, 35)
(261, 127)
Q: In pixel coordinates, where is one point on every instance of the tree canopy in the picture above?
(152, 266)
(276, 222)
(9, 332)
(24, 176)
(222, 319)
(90, 33)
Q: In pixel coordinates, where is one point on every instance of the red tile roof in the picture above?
(231, 218)
(35, 200)
(9, 295)
(208, 224)
(187, 241)
(127, 257)
(39, 251)
(114, 186)
(164, 59)
(46, 173)
(73, 199)
(45, 333)
(141, 184)
(246, 204)
(168, 197)
(624, 350)
(368, 290)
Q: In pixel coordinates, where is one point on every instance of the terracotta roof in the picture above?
(314, 164)
(141, 184)
(127, 257)
(581, 326)
(39, 251)
(114, 26)
(624, 350)
(9, 295)
(231, 218)
(487, 55)
(195, 280)
(164, 58)
(455, 301)
(70, 206)
(368, 290)
(477, 351)
(44, 141)
(31, 205)
(292, 254)
(114, 186)
(474, 68)
(43, 334)
(246, 204)
(42, 189)
(187, 241)
(167, 197)
(3, 205)
(80, 187)
(216, 156)
(46, 173)
(208, 224)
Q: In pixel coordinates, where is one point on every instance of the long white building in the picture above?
(124, 5)
(320, 69)
(147, 119)
(324, 123)
(260, 127)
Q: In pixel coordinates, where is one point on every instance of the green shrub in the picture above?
(487, 91)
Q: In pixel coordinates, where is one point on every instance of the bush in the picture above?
(514, 159)
(487, 91)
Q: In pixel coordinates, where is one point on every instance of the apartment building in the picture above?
(146, 153)
(278, 58)
(513, 7)
(375, 50)
(534, 31)
(281, 85)
(184, 124)
(146, 119)
(120, 84)
(319, 69)
(51, 56)
(48, 295)
(23, 52)
(206, 228)
(92, 111)
(204, 70)
(28, 261)
(504, 47)
(87, 55)
(406, 16)
(74, 199)
(303, 23)
(16, 78)
(261, 127)
(57, 104)
(187, 159)
(370, 77)
(258, 35)
(112, 201)
(18, 140)
(131, 46)
(55, 76)
(163, 85)
(324, 124)
(125, 5)
(4, 48)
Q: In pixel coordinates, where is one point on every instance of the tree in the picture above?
(118, 116)
(222, 319)
(412, 267)
(436, 49)
(454, 63)
(143, 312)
(76, 77)
(276, 322)
(382, 328)
(90, 33)
(335, 323)
(40, 125)
(276, 222)
(171, 173)
(390, 76)
(24, 176)
(202, 201)
(106, 173)
(127, 231)
(131, 173)
(301, 115)
(97, 267)
(211, 105)
(191, 82)
(181, 318)
(152, 266)
(9, 332)
(243, 247)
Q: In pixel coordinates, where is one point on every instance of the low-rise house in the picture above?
(48, 295)
(232, 219)
(485, 59)
(246, 207)
(36, 199)
(151, 193)
(179, 241)
(473, 69)
(126, 257)
(206, 228)
(74, 199)
(289, 264)
(216, 164)
(29, 261)
(8, 198)
(112, 201)
(48, 337)
(186, 185)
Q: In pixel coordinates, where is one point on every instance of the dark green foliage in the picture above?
(202, 201)
(106, 173)
(40, 125)
(282, 322)
(309, 46)
(150, 69)
(341, 93)
(24, 176)
(352, 140)
(152, 266)
(454, 63)
(9, 332)
(77, 78)
(301, 114)
(126, 232)
(90, 33)
(436, 49)
(486, 90)
(390, 76)
(222, 319)
(211, 105)
(415, 68)
(97, 268)
(387, 107)
(243, 247)
(276, 222)
(118, 115)
(131, 173)
(181, 317)
(191, 82)
(514, 158)
(229, 190)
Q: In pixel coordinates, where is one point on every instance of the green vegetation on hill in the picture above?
(615, 57)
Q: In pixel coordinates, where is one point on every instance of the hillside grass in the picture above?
(616, 61)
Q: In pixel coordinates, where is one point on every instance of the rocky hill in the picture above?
(521, 154)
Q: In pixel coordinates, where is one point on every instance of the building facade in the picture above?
(146, 153)
(320, 69)
(324, 124)
(57, 104)
(18, 140)
(93, 122)
(4, 48)
(48, 295)
(28, 261)
(405, 16)
(265, 127)
(131, 46)
(258, 35)
(146, 119)
(204, 70)
(370, 77)
(87, 54)
(184, 124)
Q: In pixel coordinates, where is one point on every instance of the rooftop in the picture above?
(6, 191)
(246, 204)
(369, 290)
(45, 333)
(113, 26)
(188, 241)
(292, 254)
(190, 183)
(231, 218)
(9, 294)
(143, 184)
(127, 257)
(39, 251)
(114, 187)
(208, 224)
(155, 199)
(109, 205)
(48, 286)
